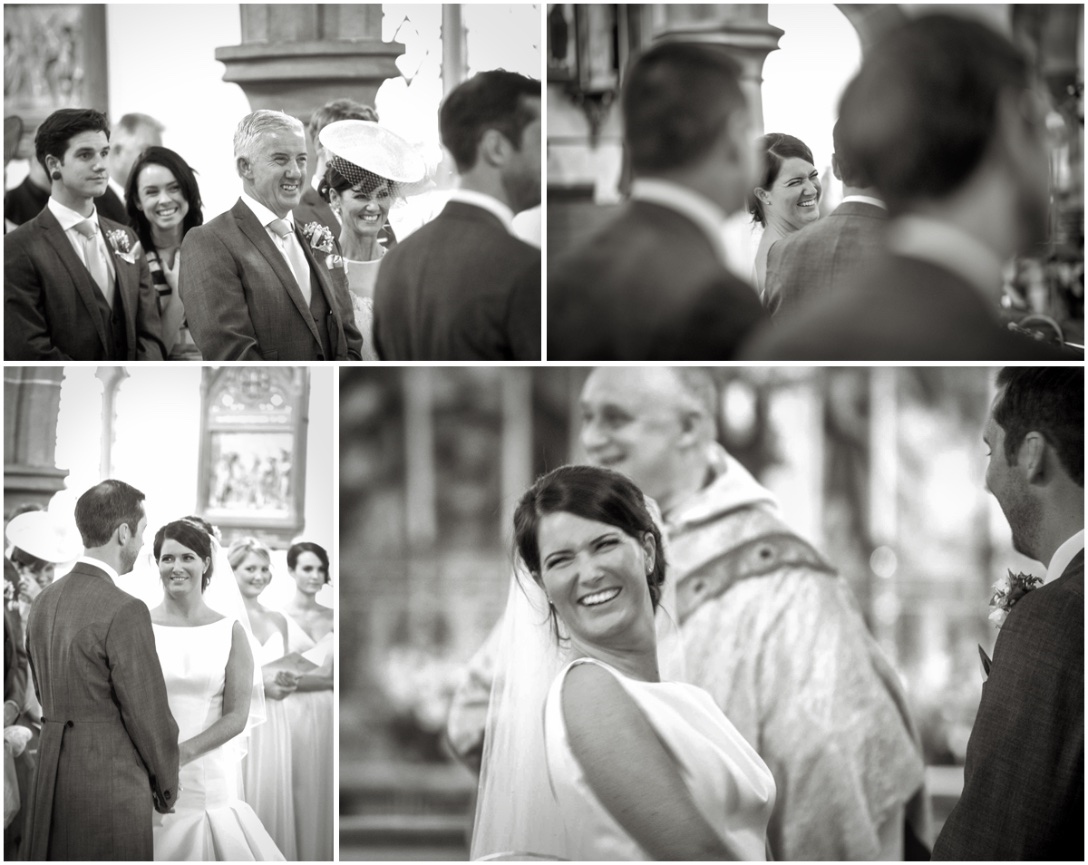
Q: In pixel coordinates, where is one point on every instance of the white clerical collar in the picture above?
(101, 565)
(263, 214)
(67, 217)
(487, 202)
(1063, 556)
(949, 247)
(698, 208)
(865, 199)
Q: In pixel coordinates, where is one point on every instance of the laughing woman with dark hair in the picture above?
(163, 203)
(787, 197)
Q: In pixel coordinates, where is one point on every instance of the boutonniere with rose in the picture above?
(321, 240)
(1006, 593)
(122, 245)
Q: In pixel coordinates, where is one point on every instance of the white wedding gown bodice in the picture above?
(210, 821)
(362, 277)
(729, 783)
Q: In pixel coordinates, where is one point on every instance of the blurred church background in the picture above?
(881, 468)
(796, 60)
(248, 448)
(198, 69)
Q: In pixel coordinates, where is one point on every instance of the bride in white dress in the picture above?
(369, 169)
(623, 765)
(208, 667)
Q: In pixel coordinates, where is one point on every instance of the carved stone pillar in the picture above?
(31, 405)
(296, 57)
(742, 29)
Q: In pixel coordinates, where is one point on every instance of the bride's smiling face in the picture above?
(594, 574)
(253, 575)
(180, 569)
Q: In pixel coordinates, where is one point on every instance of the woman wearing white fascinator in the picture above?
(369, 169)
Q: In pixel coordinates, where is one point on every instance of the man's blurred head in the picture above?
(939, 103)
(131, 136)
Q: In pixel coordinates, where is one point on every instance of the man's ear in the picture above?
(1033, 458)
(123, 534)
(493, 149)
(691, 427)
(244, 169)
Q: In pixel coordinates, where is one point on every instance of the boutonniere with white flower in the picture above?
(319, 236)
(1007, 592)
(122, 245)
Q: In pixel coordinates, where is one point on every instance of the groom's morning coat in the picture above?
(1023, 793)
(109, 745)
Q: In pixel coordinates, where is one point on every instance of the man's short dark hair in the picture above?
(132, 123)
(850, 173)
(62, 126)
(495, 99)
(921, 111)
(1048, 400)
(105, 507)
(676, 101)
(339, 109)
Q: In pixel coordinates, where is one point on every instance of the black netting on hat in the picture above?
(360, 179)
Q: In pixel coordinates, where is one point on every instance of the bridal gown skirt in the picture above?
(210, 821)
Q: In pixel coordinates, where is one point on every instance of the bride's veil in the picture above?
(517, 815)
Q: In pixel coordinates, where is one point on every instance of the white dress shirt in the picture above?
(1063, 556)
(68, 220)
(865, 199)
(98, 563)
(701, 210)
(266, 217)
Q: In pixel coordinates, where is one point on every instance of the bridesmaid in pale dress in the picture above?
(310, 708)
(267, 767)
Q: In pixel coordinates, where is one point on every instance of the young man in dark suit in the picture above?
(72, 288)
(108, 755)
(942, 121)
(1023, 793)
(653, 284)
(463, 287)
(254, 286)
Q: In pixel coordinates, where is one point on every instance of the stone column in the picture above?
(297, 57)
(742, 29)
(31, 406)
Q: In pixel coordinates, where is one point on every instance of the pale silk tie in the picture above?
(92, 257)
(296, 258)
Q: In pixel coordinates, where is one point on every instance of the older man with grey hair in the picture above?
(257, 286)
(769, 628)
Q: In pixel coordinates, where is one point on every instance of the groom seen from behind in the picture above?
(255, 287)
(1023, 794)
(108, 752)
(73, 288)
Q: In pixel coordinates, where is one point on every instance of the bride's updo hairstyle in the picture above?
(189, 534)
(591, 493)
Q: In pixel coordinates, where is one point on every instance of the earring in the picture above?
(55, 175)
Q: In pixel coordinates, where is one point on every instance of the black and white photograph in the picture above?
(816, 182)
(634, 613)
(272, 182)
(169, 607)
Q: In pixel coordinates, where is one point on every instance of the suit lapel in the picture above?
(128, 287)
(323, 282)
(258, 236)
(79, 276)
